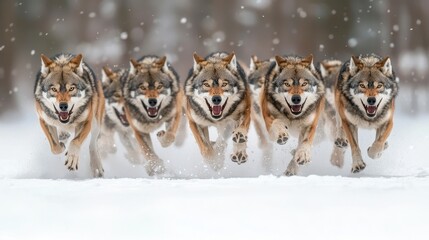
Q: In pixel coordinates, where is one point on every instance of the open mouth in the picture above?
(122, 117)
(216, 110)
(296, 109)
(64, 116)
(371, 110)
(151, 111)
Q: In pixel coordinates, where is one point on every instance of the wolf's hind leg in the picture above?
(95, 159)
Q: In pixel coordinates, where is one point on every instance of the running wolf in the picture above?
(365, 98)
(69, 99)
(218, 95)
(153, 97)
(292, 102)
(115, 120)
(257, 72)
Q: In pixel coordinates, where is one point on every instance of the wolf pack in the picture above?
(284, 96)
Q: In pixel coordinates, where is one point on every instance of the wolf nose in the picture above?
(64, 106)
(152, 102)
(371, 100)
(296, 99)
(216, 100)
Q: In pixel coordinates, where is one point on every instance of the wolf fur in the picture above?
(218, 95)
(365, 98)
(329, 122)
(115, 119)
(291, 103)
(257, 72)
(69, 99)
(153, 98)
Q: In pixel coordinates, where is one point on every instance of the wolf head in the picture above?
(113, 82)
(63, 86)
(294, 84)
(258, 71)
(151, 86)
(329, 70)
(216, 85)
(371, 83)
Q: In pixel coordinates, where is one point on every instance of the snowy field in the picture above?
(42, 200)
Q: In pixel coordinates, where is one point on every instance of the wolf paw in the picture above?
(341, 143)
(375, 151)
(64, 136)
(358, 166)
(72, 161)
(239, 137)
(165, 138)
(58, 148)
(386, 145)
(337, 157)
(292, 169)
(302, 156)
(155, 167)
(239, 157)
(97, 171)
(279, 134)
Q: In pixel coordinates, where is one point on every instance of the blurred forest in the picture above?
(110, 32)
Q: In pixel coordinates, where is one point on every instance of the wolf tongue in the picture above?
(217, 110)
(64, 115)
(371, 109)
(152, 111)
(296, 108)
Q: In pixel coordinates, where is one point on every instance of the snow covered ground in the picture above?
(41, 199)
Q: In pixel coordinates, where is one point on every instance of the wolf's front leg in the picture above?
(380, 142)
(279, 132)
(154, 164)
(95, 159)
(340, 145)
(239, 135)
(106, 142)
(167, 137)
(73, 151)
(352, 135)
(132, 151)
(57, 147)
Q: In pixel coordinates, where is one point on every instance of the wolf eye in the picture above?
(287, 84)
(362, 85)
(159, 86)
(304, 84)
(53, 89)
(206, 85)
(380, 85)
(71, 88)
(224, 84)
(142, 87)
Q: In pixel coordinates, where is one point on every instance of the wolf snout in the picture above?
(152, 102)
(216, 99)
(64, 106)
(296, 99)
(371, 100)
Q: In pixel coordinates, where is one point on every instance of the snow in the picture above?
(261, 208)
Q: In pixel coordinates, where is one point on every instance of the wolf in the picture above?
(257, 71)
(115, 120)
(153, 97)
(69, 99)
(292, 102)
(218, 95)
(329, 69)
(365, 95)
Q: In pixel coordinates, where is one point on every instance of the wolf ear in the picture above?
(308, 62)
(231, 60)
(280, 60)
(385, 66)
(77, 64)
(133, 66)
(197, 61)
(254, 63)
(162, 63)
(105, 75)
(46, 63)
(323, 70)
(355, 65)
